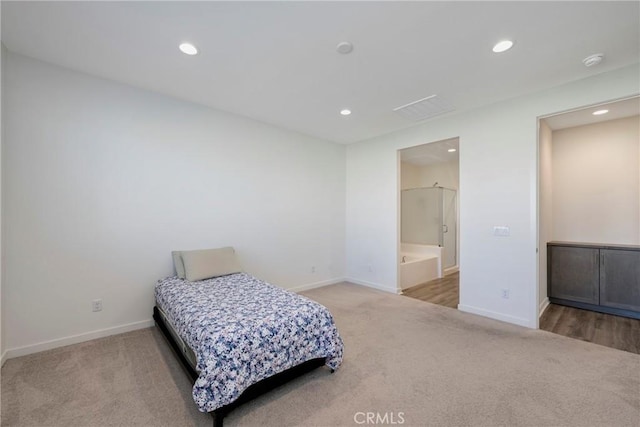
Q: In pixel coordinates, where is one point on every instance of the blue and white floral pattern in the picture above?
(244, 330)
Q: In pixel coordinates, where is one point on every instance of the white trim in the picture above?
(373, 285)
(520, 321)
(543, 306)
(75, 339)
(3, 359)
(314, 285)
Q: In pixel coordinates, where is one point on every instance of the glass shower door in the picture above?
(421, 211)
(428, 217)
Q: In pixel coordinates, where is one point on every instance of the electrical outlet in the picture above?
(96, 305)
(370, 268)
(504, 293)
(313, 269)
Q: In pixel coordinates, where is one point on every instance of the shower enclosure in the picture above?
(428, 217)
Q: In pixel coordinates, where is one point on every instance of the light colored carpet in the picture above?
(435, 365)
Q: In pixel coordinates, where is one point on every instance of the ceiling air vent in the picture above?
(424, 108)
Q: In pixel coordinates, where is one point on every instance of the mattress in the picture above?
(243, 330)
(186, 350)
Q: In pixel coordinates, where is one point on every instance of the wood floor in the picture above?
(599, 328)
(617, 332)
(443, 291)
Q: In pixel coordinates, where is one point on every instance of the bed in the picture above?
(239, 336)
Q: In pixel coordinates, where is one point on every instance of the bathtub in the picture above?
(419, 264)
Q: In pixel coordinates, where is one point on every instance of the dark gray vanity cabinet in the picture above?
(620, 279)
(603, 278)
(575, 274)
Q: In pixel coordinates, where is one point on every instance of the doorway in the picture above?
(589, 204)
(428, 222)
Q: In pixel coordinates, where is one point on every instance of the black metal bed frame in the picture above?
(252, 391)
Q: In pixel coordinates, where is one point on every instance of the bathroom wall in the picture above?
(409, 175)
(445, 174)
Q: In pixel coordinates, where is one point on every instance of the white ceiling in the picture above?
(617, 110)
(276, 61)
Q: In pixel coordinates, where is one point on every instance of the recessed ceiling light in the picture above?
(451, 150)
(188, 48)
(600, 112)
(345, 112)
(344, 47)
(502, 46)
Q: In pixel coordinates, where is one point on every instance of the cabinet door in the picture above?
(574, 274)
(620, 279)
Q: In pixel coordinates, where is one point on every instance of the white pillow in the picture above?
(208, 263)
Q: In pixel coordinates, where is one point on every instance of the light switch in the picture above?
(501, 231)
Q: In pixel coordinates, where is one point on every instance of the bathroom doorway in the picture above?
(429, 216)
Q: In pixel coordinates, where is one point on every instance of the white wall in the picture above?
(545, 209)
(103, 180)
(596, 194)
(409, 175)
(498, 186)
(446, 174)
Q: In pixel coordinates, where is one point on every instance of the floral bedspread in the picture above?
(243, 330)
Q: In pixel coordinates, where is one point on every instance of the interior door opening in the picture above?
(429, 216)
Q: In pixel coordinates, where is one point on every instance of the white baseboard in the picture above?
(373, 285)
(543, 306)
(451, 270)
(317, 284)
(74, 339)
(3, 359)
(495, 315)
